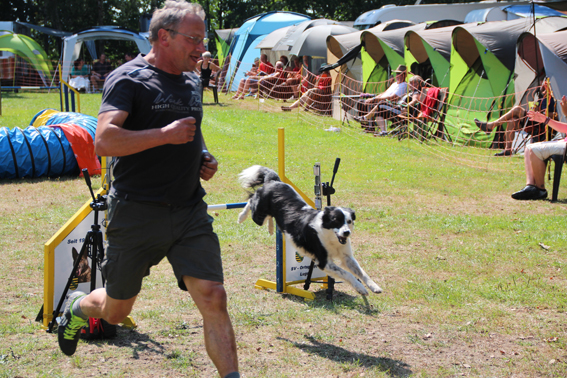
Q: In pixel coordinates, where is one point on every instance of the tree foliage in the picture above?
(75, 15)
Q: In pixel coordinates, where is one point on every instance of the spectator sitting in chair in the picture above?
(394, 91)
(252, 82)
(536, 154)
(79, 75)
(253, 72)
(265, 67)
(322, 87)
(293, 79)
(100, 71)
(387, 110)
(515, 118)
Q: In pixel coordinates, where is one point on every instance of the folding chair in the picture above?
(558, 160)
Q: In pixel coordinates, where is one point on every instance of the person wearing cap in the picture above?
(394, 92)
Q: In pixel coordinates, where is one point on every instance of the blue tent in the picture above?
(254, 30)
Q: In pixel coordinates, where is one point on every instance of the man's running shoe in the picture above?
(70, 326)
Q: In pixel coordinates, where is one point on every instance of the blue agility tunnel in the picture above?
(57, 144)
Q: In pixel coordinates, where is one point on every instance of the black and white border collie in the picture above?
(323, 236)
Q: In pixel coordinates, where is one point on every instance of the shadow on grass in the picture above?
(134, 340)
(393, 368)
(341, 301)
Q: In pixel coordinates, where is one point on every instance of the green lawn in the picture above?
(474, 281)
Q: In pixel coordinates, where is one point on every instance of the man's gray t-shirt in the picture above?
(153, 99)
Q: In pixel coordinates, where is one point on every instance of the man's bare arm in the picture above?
(112, 139)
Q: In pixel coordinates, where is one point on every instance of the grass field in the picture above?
(475, 282)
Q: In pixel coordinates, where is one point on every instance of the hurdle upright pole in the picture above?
(280, 246)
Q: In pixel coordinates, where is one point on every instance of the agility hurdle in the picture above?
(290, 266)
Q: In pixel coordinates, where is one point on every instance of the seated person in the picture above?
(252, 73)
(322, 88)
(515, 117)
(101, 70)
(535, 155)
(79, 75)
(206, 70)
(394, 91)
(291, 84)
(128, 57)
(267, 83)
(265, 67)
(387, 110)
(253, 81)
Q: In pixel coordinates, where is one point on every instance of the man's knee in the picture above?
(209, 295)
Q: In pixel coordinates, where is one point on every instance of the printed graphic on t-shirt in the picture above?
(164, 102)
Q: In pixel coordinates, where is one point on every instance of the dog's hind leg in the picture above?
(339, 273)
(244, 213)
(354, 267)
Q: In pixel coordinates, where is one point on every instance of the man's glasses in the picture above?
(194, 40)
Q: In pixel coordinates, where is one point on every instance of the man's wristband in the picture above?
(547, 121)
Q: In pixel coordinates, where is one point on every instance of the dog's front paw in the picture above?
(243, 215)
(361, 289)
(374, 288)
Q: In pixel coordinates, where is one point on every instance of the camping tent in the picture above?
(528, 67)
(313, 41)
(294, 33)
(268, 43)
(482, 74)
(72, 44)
(339, 45)
(28, 49)
(223, 41)
(254, 30)
(548, 55)
(382, 52)
(510, 12)
(431, 51)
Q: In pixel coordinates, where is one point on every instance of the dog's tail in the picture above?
(257, 175)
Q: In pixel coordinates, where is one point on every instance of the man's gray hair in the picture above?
(171, 14)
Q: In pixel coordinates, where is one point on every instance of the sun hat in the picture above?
(401, 68)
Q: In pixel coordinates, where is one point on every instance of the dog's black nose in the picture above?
(346, 233)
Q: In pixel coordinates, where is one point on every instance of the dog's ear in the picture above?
(327, 213)
(351, 212)
(75, 254)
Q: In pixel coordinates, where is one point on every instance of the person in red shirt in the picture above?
(265, 67)
(322, 87)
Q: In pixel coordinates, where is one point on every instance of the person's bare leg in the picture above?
(220, 342)
(240, 89)
(510, 133)
(516, 113)
(535, 169)
(100, 306)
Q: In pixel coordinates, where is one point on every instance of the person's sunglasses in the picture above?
(194, 40)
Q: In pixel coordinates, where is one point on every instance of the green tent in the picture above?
(482, 77)
(428, 54)
(223, 40)
(482, 60)
(28, 49)
(382, 51)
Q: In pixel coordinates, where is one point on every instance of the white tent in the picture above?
(72, 44)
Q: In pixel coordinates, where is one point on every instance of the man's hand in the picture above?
(180, 131)
(209, 166)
